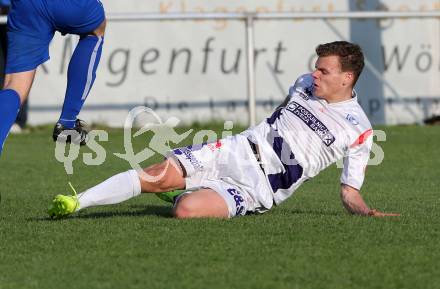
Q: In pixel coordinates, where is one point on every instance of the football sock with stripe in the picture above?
(9, 107)
(81, 75)
(114, 190)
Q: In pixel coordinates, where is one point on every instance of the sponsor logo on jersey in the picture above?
(312, 122)
(189, 156)
(239, 201)
(352, 119)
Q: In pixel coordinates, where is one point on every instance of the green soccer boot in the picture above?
(63, 206)
(169, 196)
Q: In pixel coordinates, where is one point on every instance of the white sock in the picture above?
(114, 190)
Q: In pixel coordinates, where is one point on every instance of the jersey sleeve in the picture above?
(356, 160)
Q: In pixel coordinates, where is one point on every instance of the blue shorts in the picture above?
(32, 24)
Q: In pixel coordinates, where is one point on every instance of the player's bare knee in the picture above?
(100, 31)
(180, 212)
(21, 82)
(185, 208)
(22, 93)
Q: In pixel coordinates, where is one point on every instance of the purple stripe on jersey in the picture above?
(275, 115)
(291, 174)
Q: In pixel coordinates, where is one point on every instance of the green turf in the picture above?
(307, 242)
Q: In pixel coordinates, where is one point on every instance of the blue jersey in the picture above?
(32, 24)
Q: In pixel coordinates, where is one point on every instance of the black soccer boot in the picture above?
(76, 135)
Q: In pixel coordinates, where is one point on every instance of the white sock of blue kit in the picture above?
(114, 190)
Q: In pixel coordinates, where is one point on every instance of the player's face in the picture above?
(329, 81)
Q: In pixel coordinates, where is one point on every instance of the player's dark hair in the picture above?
(350, 56)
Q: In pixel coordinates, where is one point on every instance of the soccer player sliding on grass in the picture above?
(319, 123)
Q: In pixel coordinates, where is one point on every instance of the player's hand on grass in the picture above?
(376, 213)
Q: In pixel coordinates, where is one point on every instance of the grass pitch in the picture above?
(307, 242)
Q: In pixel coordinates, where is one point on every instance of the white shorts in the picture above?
(229, 167)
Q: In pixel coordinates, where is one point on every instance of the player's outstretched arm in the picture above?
(355, 204)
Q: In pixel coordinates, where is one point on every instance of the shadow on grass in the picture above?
(134, 211)
(316, 212)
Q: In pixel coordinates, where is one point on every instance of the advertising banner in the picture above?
(196, 69)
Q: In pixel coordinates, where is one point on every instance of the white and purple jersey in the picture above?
(309, 134)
